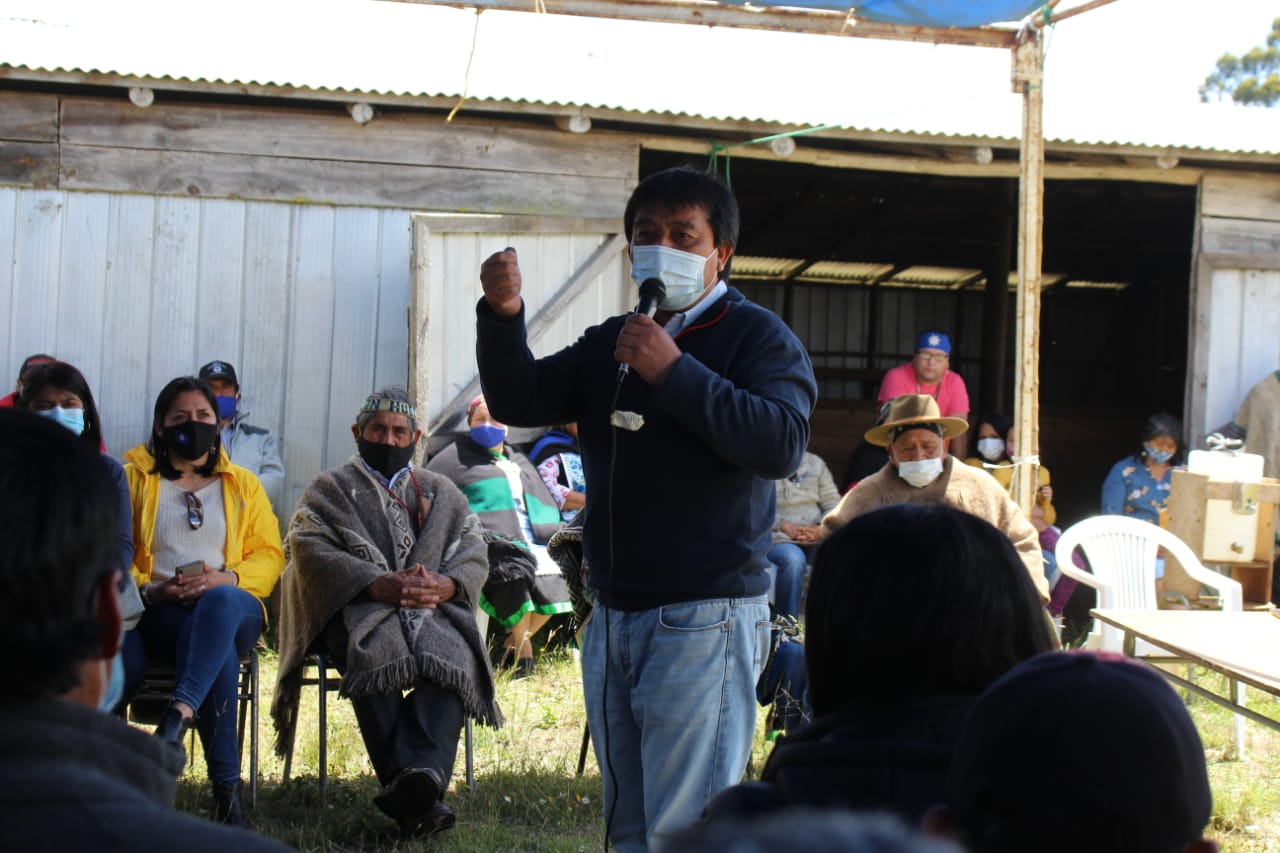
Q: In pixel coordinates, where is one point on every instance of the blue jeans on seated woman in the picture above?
(788, 568)
(204, 643)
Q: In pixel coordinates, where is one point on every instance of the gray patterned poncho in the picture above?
(346, 531)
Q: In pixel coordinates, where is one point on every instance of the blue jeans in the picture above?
(672, 709)
(788, 566)
(205, 643)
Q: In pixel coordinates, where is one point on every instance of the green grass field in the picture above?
(528, 797)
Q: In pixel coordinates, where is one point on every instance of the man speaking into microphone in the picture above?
(679, 452)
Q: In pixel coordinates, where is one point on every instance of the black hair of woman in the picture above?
(155, 442)
(64, 377)
(914, 601)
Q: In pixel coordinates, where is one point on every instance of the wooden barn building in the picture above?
(320, 224)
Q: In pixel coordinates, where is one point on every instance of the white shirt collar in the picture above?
(678, 322)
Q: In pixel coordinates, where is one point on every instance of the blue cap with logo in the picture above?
(219, 370)
(934, 340)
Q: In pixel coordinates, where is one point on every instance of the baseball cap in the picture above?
(1075, 751)
(219, 370)
(934, 340)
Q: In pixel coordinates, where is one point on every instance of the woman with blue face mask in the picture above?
(1138, 485)
(519, 515)
(58, 391)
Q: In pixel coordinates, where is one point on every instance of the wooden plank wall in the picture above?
(311, 154)
(1235, 322)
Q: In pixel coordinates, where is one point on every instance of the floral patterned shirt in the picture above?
(1131, 490)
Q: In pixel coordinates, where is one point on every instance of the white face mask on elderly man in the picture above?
(921, 472)
(681, 272)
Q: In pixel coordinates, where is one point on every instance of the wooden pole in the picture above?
(1028, 79)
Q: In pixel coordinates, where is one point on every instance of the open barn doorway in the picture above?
(858, 262)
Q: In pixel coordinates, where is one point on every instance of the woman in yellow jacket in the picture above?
(206, 554)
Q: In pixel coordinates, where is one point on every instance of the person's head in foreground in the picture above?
(59, 613)
(916, 433)
(914, 601)
(1127, 773)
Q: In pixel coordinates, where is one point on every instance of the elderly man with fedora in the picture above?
(921, 471)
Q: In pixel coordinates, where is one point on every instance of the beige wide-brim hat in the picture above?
(919, 409)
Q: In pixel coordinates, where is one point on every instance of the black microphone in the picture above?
(652, 291)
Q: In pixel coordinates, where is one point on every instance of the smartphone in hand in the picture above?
(190, 570)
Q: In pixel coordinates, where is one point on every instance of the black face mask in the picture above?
(384, 458)
(191, 439)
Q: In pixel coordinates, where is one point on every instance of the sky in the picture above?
(1117, 72)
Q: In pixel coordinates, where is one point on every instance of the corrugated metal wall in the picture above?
(308, 302)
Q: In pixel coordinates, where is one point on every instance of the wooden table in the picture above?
(1243, 646)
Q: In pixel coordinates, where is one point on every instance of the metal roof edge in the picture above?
(688, 121)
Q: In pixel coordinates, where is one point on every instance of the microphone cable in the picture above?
(611, 803)
(651, 292)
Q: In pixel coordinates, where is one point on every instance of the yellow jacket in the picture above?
(252, 548)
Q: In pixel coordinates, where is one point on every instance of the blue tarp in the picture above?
(925, 13)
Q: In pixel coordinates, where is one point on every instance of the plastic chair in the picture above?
(328, 682)
(1122, 553)
(156, 691)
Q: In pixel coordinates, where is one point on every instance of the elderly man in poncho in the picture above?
(385, 565)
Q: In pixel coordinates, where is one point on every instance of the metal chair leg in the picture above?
(586, 744)
(471, 763)
(322, 679)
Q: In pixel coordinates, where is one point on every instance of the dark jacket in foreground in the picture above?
(72, 778)
(892, 759)
(692, 501)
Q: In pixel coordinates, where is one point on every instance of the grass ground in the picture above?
(528, 796)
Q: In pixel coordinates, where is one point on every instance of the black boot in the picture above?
(226, 803)
(173, 726)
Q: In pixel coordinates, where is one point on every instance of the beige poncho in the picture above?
(959, 486)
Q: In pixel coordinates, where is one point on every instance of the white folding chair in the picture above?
(1122, 553)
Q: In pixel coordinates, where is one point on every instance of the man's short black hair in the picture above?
(682, 186)
(60, 510)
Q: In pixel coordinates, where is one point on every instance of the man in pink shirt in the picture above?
(929, 373)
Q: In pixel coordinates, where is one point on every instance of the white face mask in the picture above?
(990, 448)
(681, 272)
(920, 473)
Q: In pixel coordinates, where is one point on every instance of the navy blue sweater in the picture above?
(686, 510)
